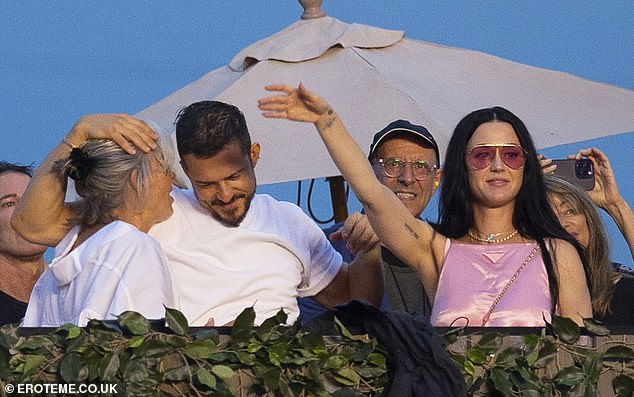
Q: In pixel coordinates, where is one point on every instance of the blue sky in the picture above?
(63, 59)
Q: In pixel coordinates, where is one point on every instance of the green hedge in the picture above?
(278, 360)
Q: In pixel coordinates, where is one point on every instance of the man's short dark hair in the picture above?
(205, 128)
(5, 166)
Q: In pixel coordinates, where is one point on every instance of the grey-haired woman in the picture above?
(106, 264)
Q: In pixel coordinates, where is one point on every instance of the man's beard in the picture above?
(230, 219)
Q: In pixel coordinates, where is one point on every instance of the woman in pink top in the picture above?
(498, 256)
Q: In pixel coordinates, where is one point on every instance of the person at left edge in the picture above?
(21, 262)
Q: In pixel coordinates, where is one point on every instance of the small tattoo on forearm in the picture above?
(331, 119)
(412, 232)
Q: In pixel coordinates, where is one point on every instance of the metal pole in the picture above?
(338, 198)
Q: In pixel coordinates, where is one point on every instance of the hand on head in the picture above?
(128, 132)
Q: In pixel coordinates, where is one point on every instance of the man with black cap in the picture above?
(405, 158)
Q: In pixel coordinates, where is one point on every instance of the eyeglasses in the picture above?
(393, 167)
(481, 156)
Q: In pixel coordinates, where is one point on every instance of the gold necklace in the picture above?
(491, 238)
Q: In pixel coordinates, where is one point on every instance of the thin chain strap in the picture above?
(485, 319)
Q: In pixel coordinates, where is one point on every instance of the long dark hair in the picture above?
(598, 249)
(532, 216)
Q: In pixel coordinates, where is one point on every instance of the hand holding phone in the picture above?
(578, 172)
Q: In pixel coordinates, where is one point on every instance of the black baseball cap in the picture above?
(403, 127)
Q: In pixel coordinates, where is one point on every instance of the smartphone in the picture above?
(577, 172)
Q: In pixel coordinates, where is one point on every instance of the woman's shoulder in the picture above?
(126, 236)
(555, 244)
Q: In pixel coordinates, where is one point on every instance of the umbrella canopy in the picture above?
(372, 76)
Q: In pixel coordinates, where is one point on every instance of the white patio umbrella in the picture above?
(372, 76)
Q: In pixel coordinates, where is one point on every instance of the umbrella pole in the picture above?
(338, 198)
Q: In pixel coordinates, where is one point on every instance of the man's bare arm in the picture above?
(361, 280)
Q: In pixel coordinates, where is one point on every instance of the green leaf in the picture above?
(547, 351)
(335, 361)
(266, 328)
(242, 327)
(312, 341)
(108, 366)
(223, 371)
(370, 372)
(477, 356)
(490, 342)
(69, 367)
(595, 327)
(136, 341)
(619, 352)
(254, 346)
(177, 373)
(72, 331)
(134, 323)
(377, 359)
(623, 385)
(501, 381)
(277, 353)
(349, 375)
(176, 321)
(469, 368)
(508, 357)
(570, 376)
(206, 378)
(152, 347)
(32, 363)
(246, 358)
(223, 357)
(342, 329)
(592, 367)
(528, 379)
(531, 340)
(31, 344)
(565, 329)
(79, 343)
(107, 326)
(531, 358)
(271, 378)
(200, 349)
(362, 353)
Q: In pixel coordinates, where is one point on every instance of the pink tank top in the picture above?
(472, 277)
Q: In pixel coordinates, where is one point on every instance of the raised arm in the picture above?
(42, 216)
(395, 226)
(607, 196)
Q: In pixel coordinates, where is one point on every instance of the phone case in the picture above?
(577, 172)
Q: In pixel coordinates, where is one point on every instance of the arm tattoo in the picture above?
(331, 119)
(411, 231)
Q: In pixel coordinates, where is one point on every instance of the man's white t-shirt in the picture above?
(275, 255)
